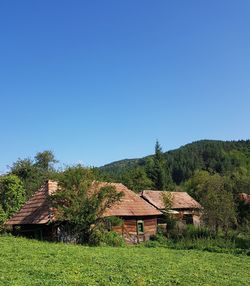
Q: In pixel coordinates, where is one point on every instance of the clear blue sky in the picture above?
(98, 81)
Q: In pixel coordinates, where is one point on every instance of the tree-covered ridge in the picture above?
(212, 172)
(223, 157)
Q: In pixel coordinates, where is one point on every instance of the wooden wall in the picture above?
(129, 228)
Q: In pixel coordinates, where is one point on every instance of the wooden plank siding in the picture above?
(130, 232)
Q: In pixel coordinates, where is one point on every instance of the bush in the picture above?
(242, 242)
(192, 231)
(202, 239)
(3, 218)
(106, 238)
(112, 221)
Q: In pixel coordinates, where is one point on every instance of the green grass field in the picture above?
(30, 262)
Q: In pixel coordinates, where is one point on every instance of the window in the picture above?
(140, 226)
(188, 218)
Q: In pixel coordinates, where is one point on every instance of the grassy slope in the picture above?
(25, 262)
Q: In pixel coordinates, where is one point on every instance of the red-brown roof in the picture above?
(130, 204)
(245, 197)
(181, 200)
(37, 209)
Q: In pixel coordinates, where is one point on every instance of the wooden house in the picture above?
(184, 207)
(36, 218)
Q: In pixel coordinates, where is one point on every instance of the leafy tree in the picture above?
(45, 160)
(29, 174)
(3, 218)
(243, 209)
(213, 193)
(240, 181)
(136, 179)
(194, 186)
(168, 201)
(81, 202)
(12, 195)
(33, 173)
(170, 220)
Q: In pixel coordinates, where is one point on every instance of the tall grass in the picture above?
(203, 239)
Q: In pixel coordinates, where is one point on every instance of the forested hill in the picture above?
(219, 156)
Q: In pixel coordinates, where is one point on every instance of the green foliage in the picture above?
(12, 197)
(203, 239)
(243, 213)
(3, 218)
(194, 232)
(157, 169)
(34, 173)
(45, 160)
(194, 186)
(229, 159)
(29, 174)
(112, 221)
(170, 220)
(12, 194)
(212, 191)
(223, 157)
(82, 203)
(218, 245)
(168, 201)
(103, 237)
(136, 179)
(29, 262)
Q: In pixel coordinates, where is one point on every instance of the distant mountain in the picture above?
(213, 155)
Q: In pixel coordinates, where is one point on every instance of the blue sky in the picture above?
(98, 81)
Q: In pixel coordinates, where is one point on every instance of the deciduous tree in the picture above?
(12, 194)
(81, 202)
(212, 192)
(33, 173)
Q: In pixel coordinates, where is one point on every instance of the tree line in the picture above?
(213, 172)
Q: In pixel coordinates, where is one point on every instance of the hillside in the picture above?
(29, 262)
(213, 155)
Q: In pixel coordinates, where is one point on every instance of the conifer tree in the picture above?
(159, 172)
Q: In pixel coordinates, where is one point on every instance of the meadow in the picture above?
(29, 262)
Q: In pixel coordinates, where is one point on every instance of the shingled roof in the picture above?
(37, 209)
(181, 200)
(131, 204)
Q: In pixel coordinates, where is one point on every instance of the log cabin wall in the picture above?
(130, 231)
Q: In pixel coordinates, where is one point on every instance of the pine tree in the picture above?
(159, 172)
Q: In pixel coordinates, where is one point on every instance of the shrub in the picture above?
(106, 238)
(112, 238)
(202, 239)
(192, 231)
(112, 221)
(242, 242)
(3, 217)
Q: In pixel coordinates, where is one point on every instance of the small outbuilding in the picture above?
(36, 217)
(184, 207)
